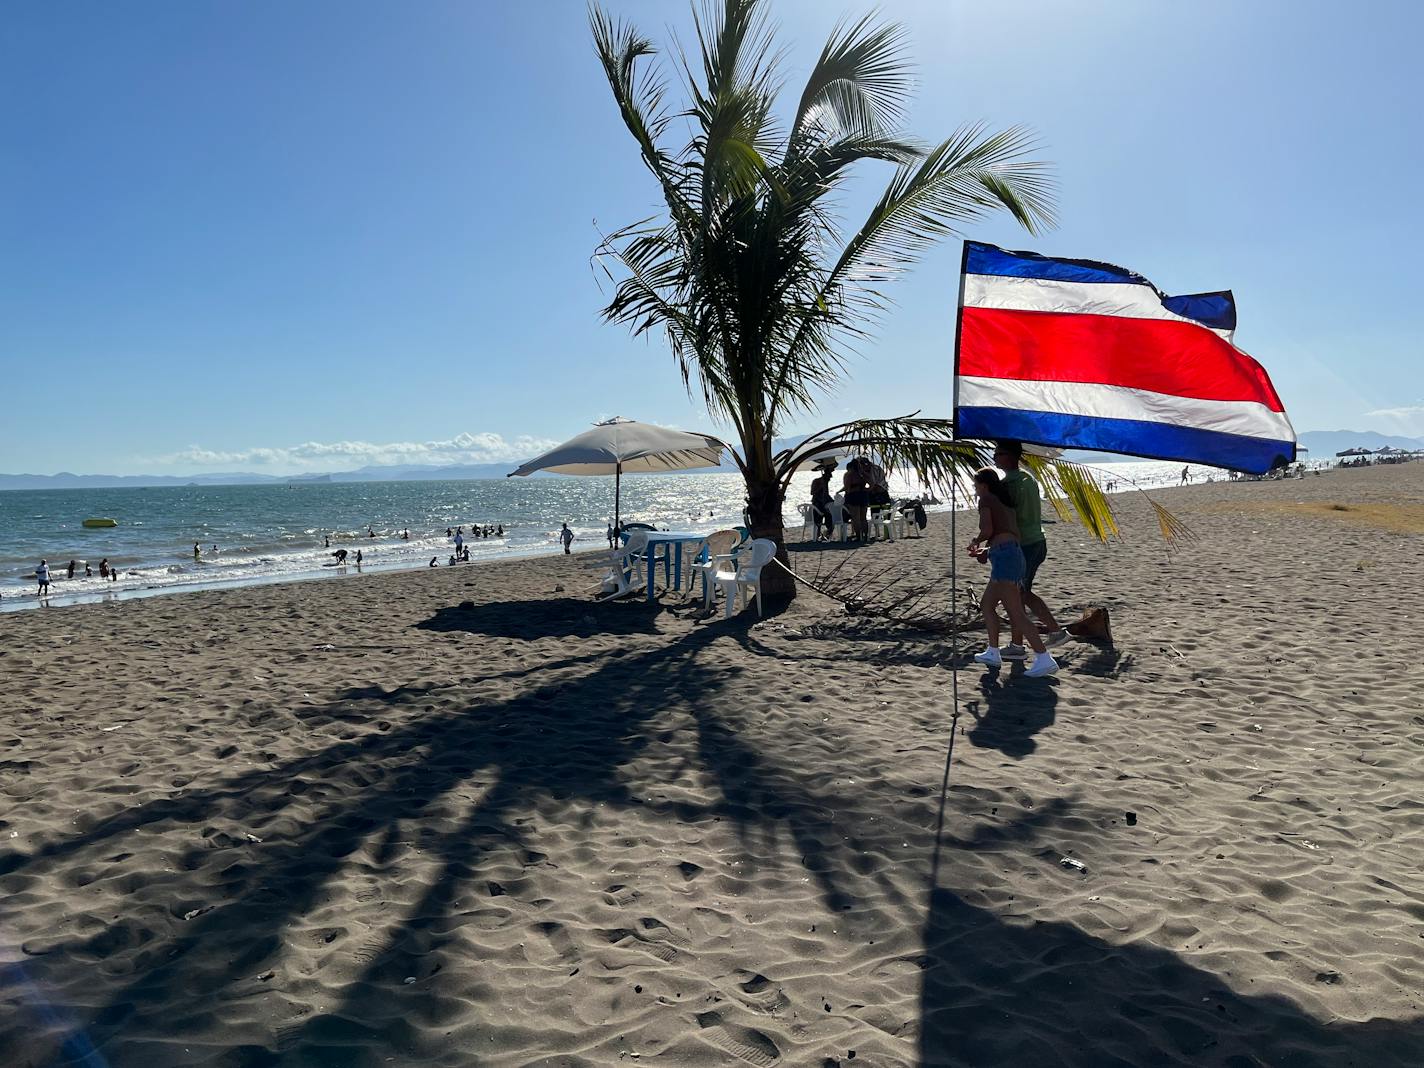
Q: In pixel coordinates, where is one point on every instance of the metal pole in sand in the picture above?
(617, 493)
(953, 581)
(953, 678)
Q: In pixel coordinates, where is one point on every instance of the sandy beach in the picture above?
(463, 817)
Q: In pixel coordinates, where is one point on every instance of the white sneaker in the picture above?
(1043, 664)
(990, 657)
(1058, 637)
(1013, 652)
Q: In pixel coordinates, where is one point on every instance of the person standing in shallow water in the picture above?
(567, 537)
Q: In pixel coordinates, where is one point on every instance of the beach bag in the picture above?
(1095, 624)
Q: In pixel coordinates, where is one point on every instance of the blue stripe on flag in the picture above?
(990, 259)
(1133, 437)
(1216, 310)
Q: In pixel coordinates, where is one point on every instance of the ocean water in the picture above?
(276, 532)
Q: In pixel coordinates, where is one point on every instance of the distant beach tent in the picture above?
(1081, 354)
(621, 446)
(1354, 452)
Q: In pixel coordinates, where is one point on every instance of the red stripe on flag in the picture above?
(1178, 359)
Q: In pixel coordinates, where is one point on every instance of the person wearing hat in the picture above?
(821, 497)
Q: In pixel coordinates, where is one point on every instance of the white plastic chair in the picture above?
(720, 548)
(747, 574)
(808, 520)
(883, 521)
(622, 567)
(836, 510)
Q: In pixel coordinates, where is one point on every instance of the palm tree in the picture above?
(749, 275)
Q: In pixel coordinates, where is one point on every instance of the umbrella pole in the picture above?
(617, 495)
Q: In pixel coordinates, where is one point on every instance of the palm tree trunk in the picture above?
(764, 500)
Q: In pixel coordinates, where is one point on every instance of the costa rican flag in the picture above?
(1086, 355)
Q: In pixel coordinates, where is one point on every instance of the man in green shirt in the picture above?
(1028, 511)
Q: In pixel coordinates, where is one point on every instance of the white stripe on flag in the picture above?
(1121, 299)
(1247, 418)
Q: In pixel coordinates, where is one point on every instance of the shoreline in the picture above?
(323, 572)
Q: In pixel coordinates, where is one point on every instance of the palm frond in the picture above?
(620, 47)
(859, 87)
(1074, 494)
(964, 179)
(1173, 529)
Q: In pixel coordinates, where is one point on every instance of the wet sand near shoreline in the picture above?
(460, 817)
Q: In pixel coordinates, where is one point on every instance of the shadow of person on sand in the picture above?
(1012, 711)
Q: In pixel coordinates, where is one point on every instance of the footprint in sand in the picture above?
(758, 993)
(623, 938)
(620, 896)
(744, 1043)
(656, 930)
(558, 940)
(369, 951)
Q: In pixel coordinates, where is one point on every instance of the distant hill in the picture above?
(1326, 443)
(66, 480)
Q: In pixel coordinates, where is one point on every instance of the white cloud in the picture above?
(345, 455)
(1410, 412)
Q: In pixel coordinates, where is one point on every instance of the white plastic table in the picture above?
(672, 542)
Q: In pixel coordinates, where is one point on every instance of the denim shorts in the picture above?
(1006, 562)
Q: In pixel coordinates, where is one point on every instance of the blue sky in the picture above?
(306, 236)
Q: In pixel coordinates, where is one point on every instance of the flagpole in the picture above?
(954, 498)
(953, 584)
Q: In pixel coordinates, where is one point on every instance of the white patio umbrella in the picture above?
(623, 445)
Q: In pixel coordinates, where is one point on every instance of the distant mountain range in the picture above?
(393, 473)
(1322, 444)
(1326, 443)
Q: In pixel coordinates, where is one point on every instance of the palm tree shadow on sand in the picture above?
(146, 981)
